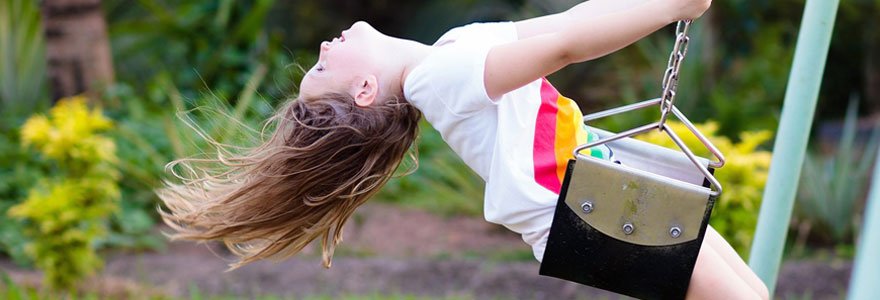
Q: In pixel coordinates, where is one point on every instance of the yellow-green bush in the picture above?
(66, 211)
(743, 178)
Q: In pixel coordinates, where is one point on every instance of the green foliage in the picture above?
(22, 58)
(185, 59)
(20, 170)
(150, 133)
(832, 185)
(306, 23)
(737, 66)
(22, 74)
(442, 184)
(749, 96)
(199, 46)
(740, 91)
(743, 178)
(67, 211)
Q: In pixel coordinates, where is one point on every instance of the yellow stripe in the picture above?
(569, 133)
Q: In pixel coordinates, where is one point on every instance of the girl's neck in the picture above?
(407, 55)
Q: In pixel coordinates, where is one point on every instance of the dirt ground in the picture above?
(389, 250)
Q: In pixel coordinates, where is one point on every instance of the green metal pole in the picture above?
(791, 140)
(866, 272)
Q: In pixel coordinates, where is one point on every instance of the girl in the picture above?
(479, 85)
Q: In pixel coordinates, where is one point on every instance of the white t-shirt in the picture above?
(519, 143)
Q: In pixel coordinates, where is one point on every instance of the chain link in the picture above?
(670, 76)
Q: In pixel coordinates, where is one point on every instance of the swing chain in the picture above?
(670, 76)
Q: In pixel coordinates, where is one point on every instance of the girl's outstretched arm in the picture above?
(515, 64)
(557, 22)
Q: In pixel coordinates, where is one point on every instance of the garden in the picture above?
(82, 155)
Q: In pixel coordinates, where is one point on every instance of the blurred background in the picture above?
(94, 95)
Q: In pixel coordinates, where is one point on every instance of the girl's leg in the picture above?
(713, 278)
(714, 240)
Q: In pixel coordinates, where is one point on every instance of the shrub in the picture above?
(442, 184)
(19, 170)
(66, 212)
(743, 177)
(200, 46)
(22, 89)
(22, 58)
(832, 185)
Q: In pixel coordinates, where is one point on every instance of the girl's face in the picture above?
(346, 62)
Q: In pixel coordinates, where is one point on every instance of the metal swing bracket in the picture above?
(631, 205)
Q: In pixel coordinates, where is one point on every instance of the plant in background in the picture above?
(20, 169)
(188, 59)
(200, 46)
(22, 58)
(740, 91)
(149, 135)
(66, 212)
(22, 89)
(442, 184)
(832, 185)
(202, 60)
(743, 176)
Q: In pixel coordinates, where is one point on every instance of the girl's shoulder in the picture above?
(450, 79)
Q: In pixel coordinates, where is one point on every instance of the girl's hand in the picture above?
(688, 9)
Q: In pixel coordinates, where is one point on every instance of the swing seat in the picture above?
(633, 228)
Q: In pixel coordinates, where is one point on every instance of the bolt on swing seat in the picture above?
(635, 228)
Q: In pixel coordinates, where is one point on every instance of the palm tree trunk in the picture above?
(77, 48)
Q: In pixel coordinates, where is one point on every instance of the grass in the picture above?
(10, 290)
(498, 256)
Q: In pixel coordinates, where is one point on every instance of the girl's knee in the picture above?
(713, 278)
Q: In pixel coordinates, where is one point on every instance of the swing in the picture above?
(635, 228)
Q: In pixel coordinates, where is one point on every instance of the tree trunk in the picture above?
(77, 48)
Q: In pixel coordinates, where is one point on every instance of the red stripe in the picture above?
(544, 153)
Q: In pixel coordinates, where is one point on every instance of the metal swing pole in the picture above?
(791, 141)
(866, 268)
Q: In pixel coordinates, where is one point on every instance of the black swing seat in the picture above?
(633, 228)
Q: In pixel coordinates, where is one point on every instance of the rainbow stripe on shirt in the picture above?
(559, 128)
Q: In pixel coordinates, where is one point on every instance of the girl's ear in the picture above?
(365, 90)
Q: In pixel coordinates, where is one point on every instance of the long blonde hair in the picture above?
(325, 157)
